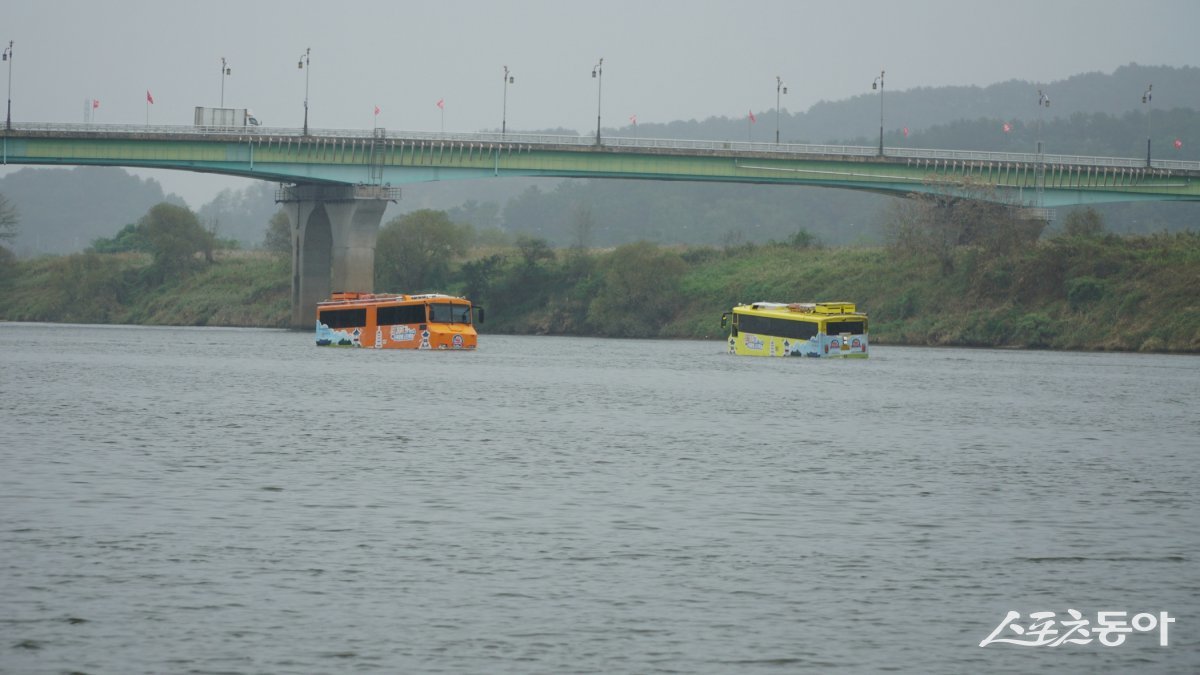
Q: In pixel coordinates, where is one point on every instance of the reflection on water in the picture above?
(226, 500)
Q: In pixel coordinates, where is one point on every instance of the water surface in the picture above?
(178, 500)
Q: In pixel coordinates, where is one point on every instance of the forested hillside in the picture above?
(921, 108)
(977, 278)
(63, 210)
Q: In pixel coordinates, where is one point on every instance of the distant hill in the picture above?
(921, 108)
(241, 215)
(63, 210)
(1090, 114)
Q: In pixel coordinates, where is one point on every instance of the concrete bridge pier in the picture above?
(334, 229)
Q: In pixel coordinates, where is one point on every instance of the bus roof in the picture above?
(802, 311)
(342, 299)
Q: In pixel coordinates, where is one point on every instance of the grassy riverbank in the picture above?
(1093, 293)
(237, 289)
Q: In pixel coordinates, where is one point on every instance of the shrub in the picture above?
(413, 252)
(1035, 330)
(639, 295)
(804, 239)
(1082, 291)
(1083, 223)
(174, 237)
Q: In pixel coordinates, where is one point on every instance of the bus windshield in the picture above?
(852, 327)
(445, 312)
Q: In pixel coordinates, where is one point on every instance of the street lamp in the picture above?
(1043, 102)
(1040, 172)
(508, 79)
(598, 75)
(303, 65)
(225, 70)
(879, 83)
(1146, 99)
(8, 56)
(779, 87)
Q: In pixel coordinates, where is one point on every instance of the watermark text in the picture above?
(1041, 629)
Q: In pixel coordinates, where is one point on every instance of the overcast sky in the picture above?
(664, 60)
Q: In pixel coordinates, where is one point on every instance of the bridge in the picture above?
(337, 183)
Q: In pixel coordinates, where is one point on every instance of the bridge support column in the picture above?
(334, 229)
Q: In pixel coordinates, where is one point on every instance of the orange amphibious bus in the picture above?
(382, 321)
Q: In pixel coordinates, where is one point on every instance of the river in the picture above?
(209, 500)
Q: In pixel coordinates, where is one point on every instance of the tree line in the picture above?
(952, 271)
(9, 219)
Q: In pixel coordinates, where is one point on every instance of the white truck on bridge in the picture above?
(225, 117)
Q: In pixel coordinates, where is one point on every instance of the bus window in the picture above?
(784, 328)
(344, 318)
(838, 327)
(402, 314)
(796, 330)
(749, 323)
(449, 313)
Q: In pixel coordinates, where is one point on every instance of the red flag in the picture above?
(1178, 144)
(376, 110)
(752, 117)
(95, 104)
(633, 118)
(441, 103)
(149, 98)
(1007, 127)
(906, 132)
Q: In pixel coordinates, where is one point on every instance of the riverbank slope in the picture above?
(1133, 293)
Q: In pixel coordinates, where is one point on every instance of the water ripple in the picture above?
(210, 500)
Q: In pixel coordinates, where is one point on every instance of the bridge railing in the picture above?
(618, 142)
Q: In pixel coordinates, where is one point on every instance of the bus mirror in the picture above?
(725, 319)
(479, 311)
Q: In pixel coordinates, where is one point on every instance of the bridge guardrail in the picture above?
(621, 142)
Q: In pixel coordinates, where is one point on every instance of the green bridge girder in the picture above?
(379, 158)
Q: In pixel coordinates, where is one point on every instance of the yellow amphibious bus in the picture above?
(797, 329)
(429, 321)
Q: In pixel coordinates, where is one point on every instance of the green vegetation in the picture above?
(9, 218)
(166, 269)
(278, 238)
(961, 273)
(63, 209)
(414, 252)
(238, 289)
(173, 236)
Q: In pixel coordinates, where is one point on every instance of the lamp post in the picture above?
(8, 56)
(1043, 102)
(779, 88)
(878, 83)
(508, 79)
(1040, 172)
(303, 65)
(225, 70)
(1146, 99)
(598, 75)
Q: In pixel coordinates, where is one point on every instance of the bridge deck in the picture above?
(381, 157)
